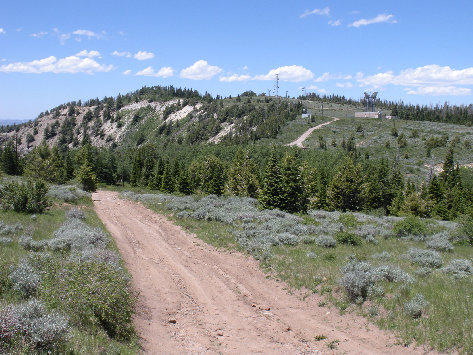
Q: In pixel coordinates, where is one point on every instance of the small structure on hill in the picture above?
(370, 100)
(306, 113)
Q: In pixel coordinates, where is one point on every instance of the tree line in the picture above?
(282, 178)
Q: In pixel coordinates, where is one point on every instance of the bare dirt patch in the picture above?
(196, 299)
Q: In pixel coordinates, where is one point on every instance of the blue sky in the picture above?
(53, 52)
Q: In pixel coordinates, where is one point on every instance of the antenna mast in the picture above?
(276, 86)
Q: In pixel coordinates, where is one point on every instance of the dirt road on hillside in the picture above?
(194, 299)
(307, 133)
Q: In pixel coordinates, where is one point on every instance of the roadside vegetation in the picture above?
(63, 287)
(410, 275)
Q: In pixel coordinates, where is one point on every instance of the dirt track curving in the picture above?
(195, 299)
(307, 133)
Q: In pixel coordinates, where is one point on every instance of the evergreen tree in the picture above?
(344, 191)
(242, 175)
(183, 183)
(292, 194)
(213, 177)
(168, 183)
(270, 196)
(10, 162)
(158, 173)
(86, 177)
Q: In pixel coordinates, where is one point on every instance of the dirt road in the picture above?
(194, 299)
(307, 133)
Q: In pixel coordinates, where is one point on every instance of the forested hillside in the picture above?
(177, 140)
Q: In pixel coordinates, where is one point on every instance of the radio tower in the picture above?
(276, 86)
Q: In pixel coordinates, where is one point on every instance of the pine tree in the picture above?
(136, 168)
(242, 175)
(344, 191)
(86, 177)
(213, 178)
(156, 181)
(168, 182)
(270, 196)
(184, 185)
(292, 194)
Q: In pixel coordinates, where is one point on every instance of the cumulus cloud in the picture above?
(439, 91)
(428, 75)
(143, 55)
(235, 77)
(325, 11)
(88, 54)
(39, 34)
(335, 23)
(348, 85)
(431, 79)
(127, 72)
(122, 54)
(72, 65)
(200, 70)
(313, 88)
(329, 76)
(293, 73)
(164, 72)
(88, 33)
(381, 18)
(2, 31)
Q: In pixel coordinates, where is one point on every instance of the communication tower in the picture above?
(370, 100)
(276, 86)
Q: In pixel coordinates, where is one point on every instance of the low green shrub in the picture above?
(29, 197)
(410, 226)
(93, 294)
(416, 306)
(348, 238)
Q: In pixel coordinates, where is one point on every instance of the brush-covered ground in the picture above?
(420, 146)
(409, 275)
(63, 286)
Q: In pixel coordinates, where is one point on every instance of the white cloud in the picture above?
(381, 18)
(287, 73)
(2, 31)
(325, 11)
(235, 77)
(328, 76)
(433, 80)
(72, 65)
(122, 54)
(87, 33)
(200, 70)
(164, 72)
(315, 88)
(428, 75)
(39, 34)
(439, 91)
(88, 54)
(127, 72)
(245, 67)
(324, 77)
(143, 55)
(348, 85)
(335, 23)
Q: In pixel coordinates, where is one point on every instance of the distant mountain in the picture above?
(6, 122)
